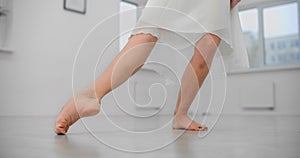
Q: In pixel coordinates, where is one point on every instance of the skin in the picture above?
(193, 77)
(128, 61)
(86, 102)
(233, 3)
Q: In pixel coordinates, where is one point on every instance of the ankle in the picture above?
(96, 93)
(99, 93)
(179, 114)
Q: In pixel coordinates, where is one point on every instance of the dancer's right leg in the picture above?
(87, 101)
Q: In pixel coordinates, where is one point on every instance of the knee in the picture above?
(199, 61)
(214, 39)
(144, 38)
(208, 41)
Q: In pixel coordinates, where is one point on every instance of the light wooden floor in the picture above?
(233, 136)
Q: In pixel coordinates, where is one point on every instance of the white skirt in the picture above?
(181, 23)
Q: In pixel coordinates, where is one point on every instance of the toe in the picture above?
(60, 132)
(203, 128)
(193, 127)
(60, 129)
(197, 127)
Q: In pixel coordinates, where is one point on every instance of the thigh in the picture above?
(206, 46)
(142, 38)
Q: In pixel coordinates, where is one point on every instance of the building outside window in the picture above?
(271, 33)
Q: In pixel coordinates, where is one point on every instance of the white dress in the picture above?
(181, 23)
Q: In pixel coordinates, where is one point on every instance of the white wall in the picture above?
(286, 90)
(278, 86)
(36, 77)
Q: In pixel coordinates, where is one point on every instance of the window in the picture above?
(281, 34)
(272, 34)
(128, 19)
(249, 22)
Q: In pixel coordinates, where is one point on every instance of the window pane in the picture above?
(281, 34)
(249, 22)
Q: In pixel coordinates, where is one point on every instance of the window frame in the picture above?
(133, 3)
(260, 6)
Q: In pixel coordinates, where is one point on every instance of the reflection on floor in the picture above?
(122, 136)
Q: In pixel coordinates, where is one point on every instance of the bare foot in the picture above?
(84, 104)
(184, 122)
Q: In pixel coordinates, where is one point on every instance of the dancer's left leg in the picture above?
(193, 77)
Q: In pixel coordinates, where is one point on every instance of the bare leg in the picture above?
(193, 77)
(87, 102)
